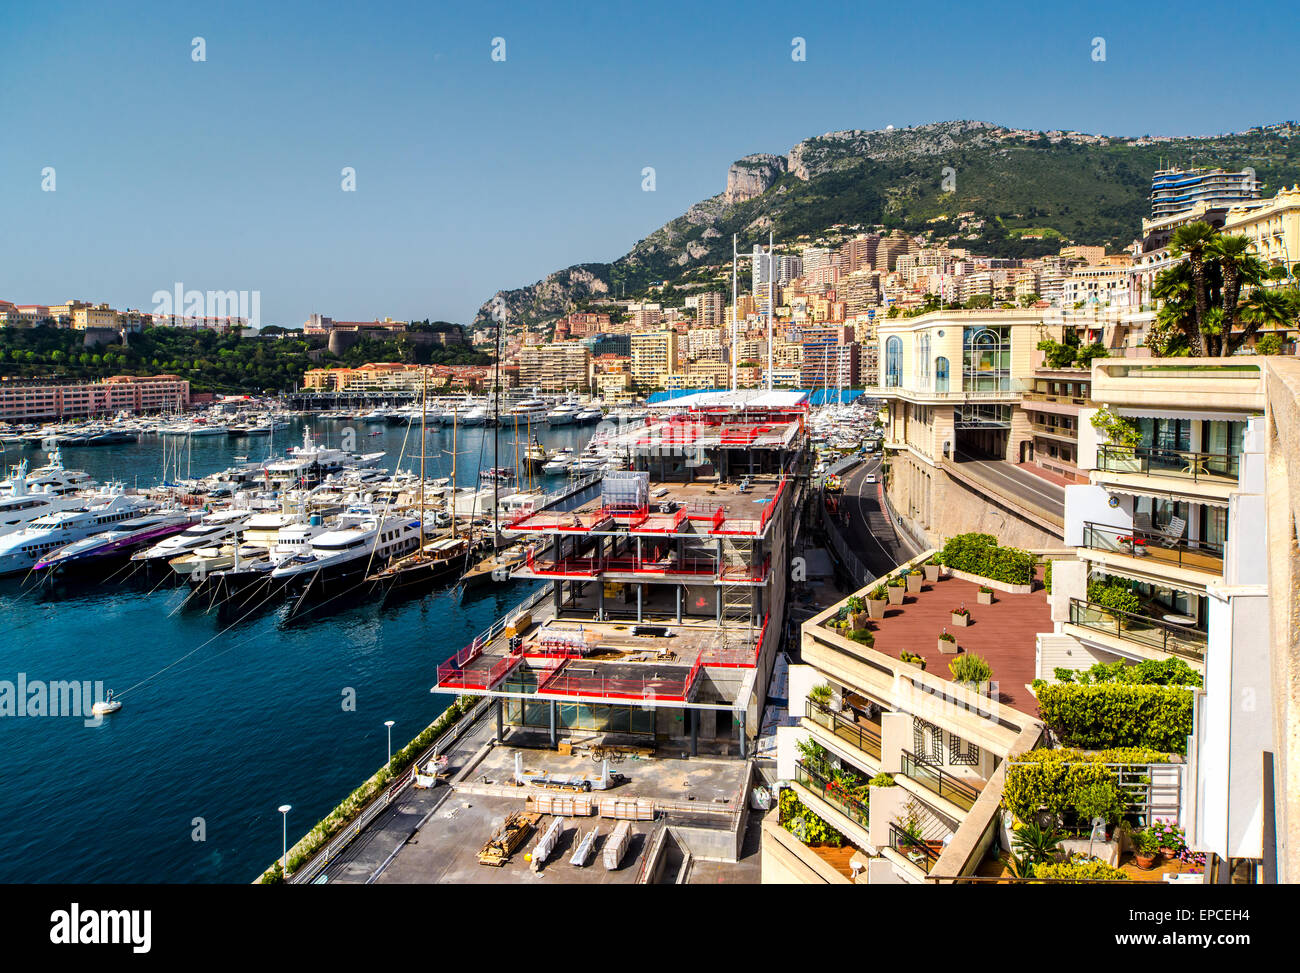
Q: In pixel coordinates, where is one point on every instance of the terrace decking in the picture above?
(1004, 633)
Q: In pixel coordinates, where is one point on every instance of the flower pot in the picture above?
(1145, 862)
(931, 572)
(895, 595)
(947, 648)
(876, 608)
(961, 621)
(913, 584)
(985, 597)
(1168, 854)
(858, 619)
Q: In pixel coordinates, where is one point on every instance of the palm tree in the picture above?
(1192, 240)
(1263, 309)
(1239, 266)
(1034, 844)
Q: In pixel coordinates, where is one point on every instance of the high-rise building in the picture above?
(654, 357)
(555, 367)
(709, 309)
(1176, 190)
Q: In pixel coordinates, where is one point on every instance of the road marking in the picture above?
(992, 470)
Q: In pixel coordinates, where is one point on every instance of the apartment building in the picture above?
(1174, 191)
(25, 400)
(1197, 520)
(709, 309)
(653, 357)
(1052, 402)
(1273, 227)
(556, 367)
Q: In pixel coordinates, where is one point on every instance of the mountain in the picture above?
(1017, 193)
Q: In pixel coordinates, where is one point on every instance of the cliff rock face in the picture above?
(752, 176)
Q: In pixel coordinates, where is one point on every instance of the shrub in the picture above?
(1118, 430)
(878, 593)
(803, 823)
(821, 694)
(856, 604)
(1150, 672)
(1057, 780)
(1113, 594)
(980, 554)
(1089, 871)
(1118, 715)
(985, 590)
(1047, 576)
(863, 637)
(883, 780)
(970, 668)
(1145, 842)
(897, 582)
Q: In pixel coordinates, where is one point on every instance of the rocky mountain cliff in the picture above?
(1016, 193)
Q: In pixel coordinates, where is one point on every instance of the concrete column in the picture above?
(740, 719)
(639, 589)
(499, 706)
(554, 739)
(600, 601)
(694, 717)
(679, 589)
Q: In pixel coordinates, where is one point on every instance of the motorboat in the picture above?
(361, 541)
(53, 477)
(119, 539)
(212, 529)
(22, 549)
(558, 463)
(23, 504)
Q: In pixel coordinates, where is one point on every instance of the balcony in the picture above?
(1168, 637)
(1154, 548)
(938, 781)
(1198, 467)
(832, 792)
(862, 736)
(923, 854)
(1064, 433)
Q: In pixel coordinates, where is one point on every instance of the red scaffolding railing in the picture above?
(590, 682)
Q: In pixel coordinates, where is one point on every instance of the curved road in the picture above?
(867, 530)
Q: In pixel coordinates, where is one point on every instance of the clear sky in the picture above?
(474, 174)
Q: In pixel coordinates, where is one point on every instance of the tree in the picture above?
(1264, 309)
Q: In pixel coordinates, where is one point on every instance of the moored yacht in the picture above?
(361, 542)
(121, 538)
(212, 529)
(22, 549)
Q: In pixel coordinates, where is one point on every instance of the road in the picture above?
(1015, 483)
(365, 858)
(868, 531)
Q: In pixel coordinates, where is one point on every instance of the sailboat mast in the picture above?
(453, 476)
(496, 446)
(424, 400)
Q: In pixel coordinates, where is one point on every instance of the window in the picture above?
(893, 362)
(941, 374)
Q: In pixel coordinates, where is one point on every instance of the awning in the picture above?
(1142, 412)
(1187, 496)
(1153, 579)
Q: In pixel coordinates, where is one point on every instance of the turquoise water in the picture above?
(253, 719)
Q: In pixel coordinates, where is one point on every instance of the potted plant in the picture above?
(914, 578)
(931, 568)
(876, 602)
(894, 591)
(912, 659)
(1172, 839)
(972, 671)
(821, 695)
(947, 643)
(863, 637)
(857, 612)
(1146, 847)
(910, 835)
(1132, 544)
(985, 595)
(961, 616)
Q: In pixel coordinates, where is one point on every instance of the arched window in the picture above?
(941, 374)
(893, 362)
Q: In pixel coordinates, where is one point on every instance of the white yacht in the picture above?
(120, 538)
(309, 463)
(559, 462)
(295, 539)
(477, 416)
(361, 542)
(51, 478)
(23, 504)
(526, 411)
(202, 561)
(563, 414)
(22, 549)
(212, 529)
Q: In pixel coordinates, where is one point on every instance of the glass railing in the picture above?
(832, 792)
(1155, 545)
(1171, 637)
(846, 728)
(917, 851)
(1156, 461)
(940, 782)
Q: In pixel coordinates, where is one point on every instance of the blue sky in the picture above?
(473, 175)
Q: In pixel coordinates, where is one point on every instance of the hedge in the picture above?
(1093, 871)
(980, 554)
(352, 805)
(1098, 717)
(1052, 780)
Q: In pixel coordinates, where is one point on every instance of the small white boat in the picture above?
(106, 706)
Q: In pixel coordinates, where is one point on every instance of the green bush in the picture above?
(970, 668)
(1089, 871)
(1118, 715)
(1110, 593)
(804, 824)
(1058, 780)
(980, 554)
(863, 636)
(883, 780)
(878, 593)
(912, 657)
(1150, 672)
(1047, 576)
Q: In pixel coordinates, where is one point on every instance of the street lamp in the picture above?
(284, 838)
(389, 724)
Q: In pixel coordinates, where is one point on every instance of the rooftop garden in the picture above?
(979, 554)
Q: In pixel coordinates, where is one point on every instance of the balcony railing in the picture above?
(849, 730)
(939, 781)
(1153, 461)
(832, 793)
(1158, 547)
(919, 853)
(1183, 640)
